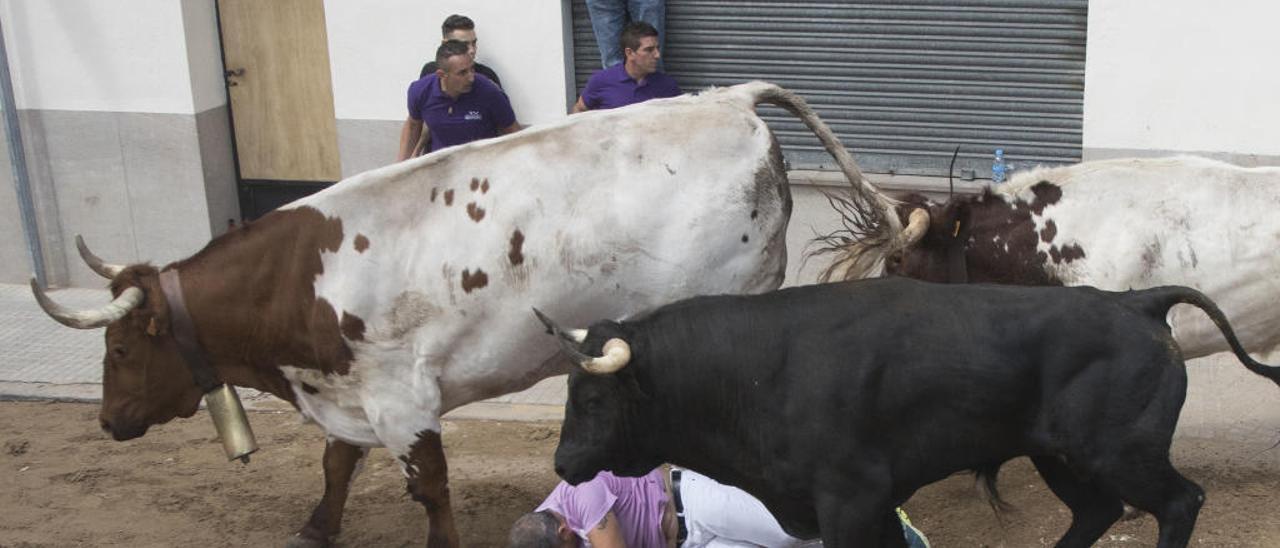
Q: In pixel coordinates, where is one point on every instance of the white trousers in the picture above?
(722, 516)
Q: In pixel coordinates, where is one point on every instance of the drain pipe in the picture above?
(18, 160)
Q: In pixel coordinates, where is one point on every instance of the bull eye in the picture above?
(118, 351)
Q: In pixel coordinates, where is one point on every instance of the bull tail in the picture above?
(869, 215)
(1156, 302)
(986, 478)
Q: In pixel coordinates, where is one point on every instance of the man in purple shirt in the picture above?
(608, 511)
(454, 106)
(690, 511)
(634, 80)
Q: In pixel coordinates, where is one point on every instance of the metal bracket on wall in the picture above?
(18, 160)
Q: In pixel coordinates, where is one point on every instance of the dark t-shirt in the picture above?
(430, 68)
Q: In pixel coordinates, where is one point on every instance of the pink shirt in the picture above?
(637, 502)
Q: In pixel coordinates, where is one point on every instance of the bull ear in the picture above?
(152, 317)
(958, 217)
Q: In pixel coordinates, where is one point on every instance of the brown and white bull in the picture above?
(1114, 224)
(399, 294)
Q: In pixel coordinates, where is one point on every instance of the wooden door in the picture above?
(281, 93)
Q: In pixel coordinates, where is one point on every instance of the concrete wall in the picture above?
(124, 121)
(375, 54)
(1197, 77)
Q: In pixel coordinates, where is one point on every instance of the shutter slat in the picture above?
(900, 82)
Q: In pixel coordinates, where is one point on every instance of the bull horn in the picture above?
(616, 351)
(89, 319)
(917, 225)
(616, 355)
(569, 340)
(576, 335)
(106, 270)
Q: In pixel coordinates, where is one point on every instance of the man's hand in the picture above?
(514, 127)
(409, 135)
(607, 533)
(579, 106)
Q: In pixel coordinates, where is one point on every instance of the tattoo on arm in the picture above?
(604, 522)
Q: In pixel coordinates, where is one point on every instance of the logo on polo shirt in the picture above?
(472, 115)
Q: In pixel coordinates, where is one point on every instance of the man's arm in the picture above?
(424, 143)
(579, 106)
(409, 135)
(503, 116)
(607, 533)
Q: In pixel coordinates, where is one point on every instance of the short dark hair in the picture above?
(449, 49)
(534, 530)
(456, 22)
(633, 32)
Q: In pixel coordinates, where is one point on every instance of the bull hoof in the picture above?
(303, 540)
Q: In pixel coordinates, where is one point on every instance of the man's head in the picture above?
(455, 68)
(639, 43)
(544, 529)
(462, 29)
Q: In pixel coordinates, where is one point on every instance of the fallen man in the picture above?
(680, 508)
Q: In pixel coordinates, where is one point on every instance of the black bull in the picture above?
(834, 403)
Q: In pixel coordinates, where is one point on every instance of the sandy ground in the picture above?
(65, 483)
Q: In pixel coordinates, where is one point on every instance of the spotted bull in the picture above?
(833, 403)
(383, 302)
(1114, 224)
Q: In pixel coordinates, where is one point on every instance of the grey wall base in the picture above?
(139, 187)
(1243, 160)
(367, 144)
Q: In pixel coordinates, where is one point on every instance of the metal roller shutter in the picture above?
(901, 82)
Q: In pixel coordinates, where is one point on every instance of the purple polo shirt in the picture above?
(638, 504)
(476, 114)
(613, 88)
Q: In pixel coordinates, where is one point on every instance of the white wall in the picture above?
(204, 54)
(1183, 76)
(91, 55)
(376, 50)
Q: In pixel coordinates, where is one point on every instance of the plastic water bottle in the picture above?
(998, 167)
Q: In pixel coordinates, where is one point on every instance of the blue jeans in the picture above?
(915, 539)
(609, 16)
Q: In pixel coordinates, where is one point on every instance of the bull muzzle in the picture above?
(123, 431)
(617, 353)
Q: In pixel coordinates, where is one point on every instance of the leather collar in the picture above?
(184, 333)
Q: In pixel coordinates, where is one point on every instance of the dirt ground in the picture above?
(65, 483)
